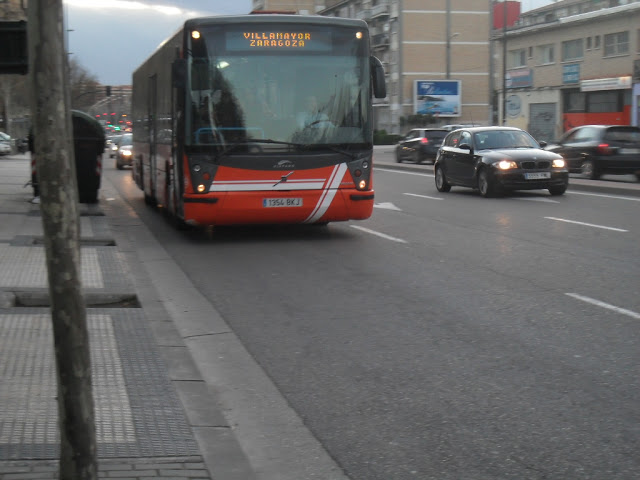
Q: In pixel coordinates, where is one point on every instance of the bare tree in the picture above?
(55, 163)
(85, 90)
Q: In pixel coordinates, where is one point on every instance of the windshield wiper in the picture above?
(299, 146)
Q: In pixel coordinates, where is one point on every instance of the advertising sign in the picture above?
(521, 78)
(571, 73)
(441, 98)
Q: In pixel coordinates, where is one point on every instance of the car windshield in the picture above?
(496, 139)
(126, 139)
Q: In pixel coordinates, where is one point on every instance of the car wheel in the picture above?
(558, 190)
(441, 181)
(398, 156)
(589, 170)
(485, 186)
(119, 166)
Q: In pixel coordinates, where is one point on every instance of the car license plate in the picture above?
(630, 151)
(537, 175)
(281, 202)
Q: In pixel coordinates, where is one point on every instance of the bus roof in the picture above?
(274, 18)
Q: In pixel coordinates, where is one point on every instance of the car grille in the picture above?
(531, 165)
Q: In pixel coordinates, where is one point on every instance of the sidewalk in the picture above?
(149, 397)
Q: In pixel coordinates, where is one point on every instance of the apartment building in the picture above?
(574, 62)
(436, 55)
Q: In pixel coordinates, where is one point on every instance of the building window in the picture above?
(604, 101)
(616, 44)
(588, 43)
(517, 58)
(572, 50)
(546, 54)
(596, 42)
(575, 101)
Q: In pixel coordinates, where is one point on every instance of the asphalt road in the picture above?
(447, 337)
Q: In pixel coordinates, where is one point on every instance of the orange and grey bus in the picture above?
(258, 119)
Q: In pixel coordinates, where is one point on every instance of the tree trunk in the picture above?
(53, 147)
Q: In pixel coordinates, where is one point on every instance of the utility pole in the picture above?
(504, 62)
(55, 164)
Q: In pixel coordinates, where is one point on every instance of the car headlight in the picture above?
(506, 164)
(125, 152)
(558, 163)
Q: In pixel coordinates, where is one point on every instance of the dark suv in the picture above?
(420, 144)
(594, 150)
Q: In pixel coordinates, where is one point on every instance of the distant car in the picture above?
(420, 145)
(114, 145)
(5, 144)
(124, 154)
(497, 159)
(594, 150)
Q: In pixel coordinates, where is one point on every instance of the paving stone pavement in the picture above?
(143, 429)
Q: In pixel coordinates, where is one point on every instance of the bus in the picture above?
(258, 119)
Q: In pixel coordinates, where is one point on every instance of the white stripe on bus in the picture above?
(329, 193)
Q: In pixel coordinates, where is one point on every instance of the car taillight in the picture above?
(424, 140)
(605, 149)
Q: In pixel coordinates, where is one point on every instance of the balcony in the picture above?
(380, 11)
(363, 14)
(380, 40)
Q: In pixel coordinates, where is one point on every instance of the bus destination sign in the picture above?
(278, 40)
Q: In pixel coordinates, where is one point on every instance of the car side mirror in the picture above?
(377, 78)
(465, 146)
(543, 144)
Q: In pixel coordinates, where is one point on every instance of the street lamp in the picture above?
(449, 37)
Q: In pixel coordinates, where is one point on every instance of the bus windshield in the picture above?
(301, 85)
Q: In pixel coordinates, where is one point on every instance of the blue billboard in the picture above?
(441, 98)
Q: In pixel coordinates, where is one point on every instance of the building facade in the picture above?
(436, 55)
(572, 63)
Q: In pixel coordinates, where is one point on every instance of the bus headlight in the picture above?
(201, 188)
(362, 185)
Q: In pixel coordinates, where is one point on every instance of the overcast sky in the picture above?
(110, 38)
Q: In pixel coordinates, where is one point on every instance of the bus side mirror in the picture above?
(179, 73)
(377, 77)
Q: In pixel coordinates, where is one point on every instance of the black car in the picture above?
(420, 144)
(497, 159)
(594, 150)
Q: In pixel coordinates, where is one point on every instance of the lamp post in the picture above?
(504, 61)
(449, 37)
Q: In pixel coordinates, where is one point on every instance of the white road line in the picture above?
(598, 303)
(617, 197)
(536, 199)
(587, 224)
(423, 196)
(415, 174)
(373, 232)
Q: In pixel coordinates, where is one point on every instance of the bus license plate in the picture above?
(281, 202)
(537, 175)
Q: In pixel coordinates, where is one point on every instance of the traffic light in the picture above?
(108, 90)
(13, 54)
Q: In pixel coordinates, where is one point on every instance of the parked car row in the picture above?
(494, 159)
(5, 144)
(595, 150)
